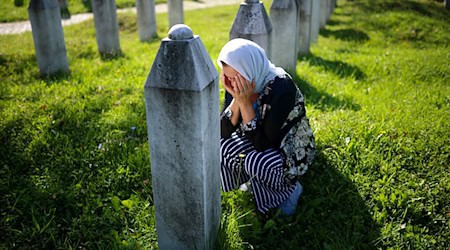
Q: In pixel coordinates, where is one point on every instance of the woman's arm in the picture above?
(281, 102)
(227, 127)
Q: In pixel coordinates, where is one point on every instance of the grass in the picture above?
(74, 158)
(17, 10)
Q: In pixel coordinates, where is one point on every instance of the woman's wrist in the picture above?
(247, 111)
(235, 112)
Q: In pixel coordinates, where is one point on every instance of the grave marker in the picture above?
(253, 23)
(106, 27)
(146, 19)
(283, 14)
(48, 36)
(182, 107)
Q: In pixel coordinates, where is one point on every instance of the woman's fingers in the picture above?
(226, 84)
(243, 84)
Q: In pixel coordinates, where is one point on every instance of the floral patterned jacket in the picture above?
(298, 143)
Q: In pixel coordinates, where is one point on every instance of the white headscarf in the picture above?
(250, 60)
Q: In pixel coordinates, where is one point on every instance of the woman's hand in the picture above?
(243, 90)
(227, 84)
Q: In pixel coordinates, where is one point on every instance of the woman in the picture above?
(266, 140)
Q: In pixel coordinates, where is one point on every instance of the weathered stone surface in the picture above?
(329, 9)
(182, 105)
(315, 21)
(48, 36)
(176, 15)
(106, 27)
(253, 23)
(304, 26)
(146, 19)
(283, 14)
(323, 13)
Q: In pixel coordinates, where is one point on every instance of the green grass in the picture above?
(74, 173)
(17, 10)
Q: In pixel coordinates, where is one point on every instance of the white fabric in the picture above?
(250, 60)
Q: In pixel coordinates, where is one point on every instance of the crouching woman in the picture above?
(266, 140)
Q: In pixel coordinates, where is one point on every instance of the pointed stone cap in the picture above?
(251, 19)
(182, 62)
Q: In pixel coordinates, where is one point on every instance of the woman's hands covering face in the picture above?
(240, 88)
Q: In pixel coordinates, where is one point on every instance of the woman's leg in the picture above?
(266, 173)
(232, 166)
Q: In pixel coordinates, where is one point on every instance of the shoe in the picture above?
(290, 204)
(246, 187)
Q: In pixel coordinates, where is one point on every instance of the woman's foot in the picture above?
(290, 204)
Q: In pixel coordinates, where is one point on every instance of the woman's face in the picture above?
(230, 74)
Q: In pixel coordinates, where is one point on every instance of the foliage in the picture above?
(74, 158)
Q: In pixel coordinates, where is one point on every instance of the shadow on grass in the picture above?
(111, 56)
(57, 187)
(88, 52)
(346, 34)
(430, 9)
(16, 64)
(26, 66)
(321, 99)
(339, 68)
(331, 214)
(333, 22)
(420, 23)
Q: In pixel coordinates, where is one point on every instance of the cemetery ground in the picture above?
(17, 10)
(74, 156)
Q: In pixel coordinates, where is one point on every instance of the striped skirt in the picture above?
(264, 170)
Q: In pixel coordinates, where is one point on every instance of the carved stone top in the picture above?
(180, 32)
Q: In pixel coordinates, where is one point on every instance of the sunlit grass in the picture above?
(74, 157)
(17, 10)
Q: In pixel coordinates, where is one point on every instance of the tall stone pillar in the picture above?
(323, 13)
(176, 15)
(182, 105)
(304, 26)
(146, 19)
(329, 9)
(283, 14)
(315, 21)
(253, 23)
(64, 10)
(106, 27)
(48, 36)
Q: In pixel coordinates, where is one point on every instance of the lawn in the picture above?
(74, 156)
(17, 10)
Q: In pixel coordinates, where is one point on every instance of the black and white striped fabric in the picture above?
(263, 169)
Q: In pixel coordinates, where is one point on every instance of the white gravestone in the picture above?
(176, 15)
(253, 23)
(182, 105)
(304, 26)
(329, 9)
(283, 14)
(48, 36)
(323, 13)
(146, 19)
(106, 27)
(315, 21)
